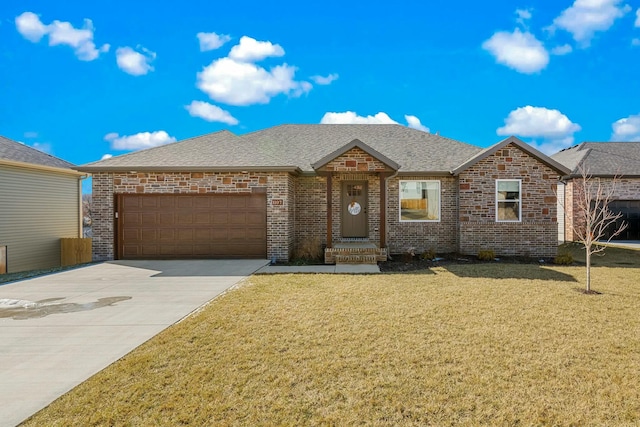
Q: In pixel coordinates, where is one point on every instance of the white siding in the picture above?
(37, 208)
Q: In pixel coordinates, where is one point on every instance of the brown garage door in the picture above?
(183, 226)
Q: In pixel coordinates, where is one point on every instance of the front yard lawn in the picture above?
(481, 344)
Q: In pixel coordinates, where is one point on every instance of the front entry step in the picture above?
(363, 252)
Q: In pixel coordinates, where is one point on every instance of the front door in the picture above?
(354, 209)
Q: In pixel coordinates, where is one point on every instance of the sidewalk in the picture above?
(321, 269)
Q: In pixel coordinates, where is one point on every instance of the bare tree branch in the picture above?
(594, 223)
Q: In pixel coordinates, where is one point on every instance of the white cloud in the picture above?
(350, 117)
(240, 83)
(106, 156)
(325, 80)
(637, 23)
(61, 33)
(251, 50)
(414, 122)
(627, 129)
(139, 140)
(523, 16)
(210, 113)
(29, 25)
(635, 42)
(518, 50)
(212, 41)
(587, 17)
(562, 50)
(43, 146)
(134, 63)
(554, 128)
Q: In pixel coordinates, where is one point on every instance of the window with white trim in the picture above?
(419, 201)
(508, 206)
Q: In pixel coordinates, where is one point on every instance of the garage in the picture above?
(630, 210)
(189, 226)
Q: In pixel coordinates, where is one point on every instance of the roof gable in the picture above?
(518, 143)
(356, 143)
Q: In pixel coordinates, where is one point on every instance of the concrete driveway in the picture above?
(58, 330)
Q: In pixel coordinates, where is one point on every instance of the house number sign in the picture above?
(354, 208)
(277, 202)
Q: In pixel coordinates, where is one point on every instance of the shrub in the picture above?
(309, 249)
(563, 259)
(429, 254)
(486, 255)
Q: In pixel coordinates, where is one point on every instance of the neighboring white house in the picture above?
(40, 202)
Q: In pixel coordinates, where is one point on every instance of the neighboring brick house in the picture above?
(264, 193)
(40, 203)
(602, 161)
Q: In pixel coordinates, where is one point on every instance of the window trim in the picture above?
(400, 200)
(519, 181)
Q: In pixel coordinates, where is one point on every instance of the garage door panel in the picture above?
(166, 219)
(174, 226)
(165, 234)
(132, 234)
(238, 218)
(220, 202)
(254, 233)
(148, 202)
(237, 202)
(202, 218)
(219, 234)
(150, 234)
(132, 218)
(219, 217)
(149, 219)
(256, 218)
(184, 202)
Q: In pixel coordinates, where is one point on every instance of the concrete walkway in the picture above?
(322, 269)
(56, 331)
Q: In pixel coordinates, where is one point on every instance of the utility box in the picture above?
(3, 259)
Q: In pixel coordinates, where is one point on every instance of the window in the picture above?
(508, 207)
(419, 200)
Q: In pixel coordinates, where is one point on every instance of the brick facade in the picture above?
(536, 233)
(311, 209)
(355, 160)
(280, 236)
(440, 236)
(625, 189)
(467, 216)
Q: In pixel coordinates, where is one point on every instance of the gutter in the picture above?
(70, 171)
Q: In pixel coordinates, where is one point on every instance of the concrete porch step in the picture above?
(354, 253)
(356, 259)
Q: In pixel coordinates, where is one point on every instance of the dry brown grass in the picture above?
(485, 344)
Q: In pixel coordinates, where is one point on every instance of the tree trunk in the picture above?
(588, 259)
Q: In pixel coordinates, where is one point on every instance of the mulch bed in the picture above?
(404, 262)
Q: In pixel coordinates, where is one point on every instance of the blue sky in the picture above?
(83, 79)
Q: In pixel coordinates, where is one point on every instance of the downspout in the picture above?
(80, 213)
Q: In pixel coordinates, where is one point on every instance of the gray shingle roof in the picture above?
(17, 152)
(554, 164)
(602, 158)
(296, 146)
